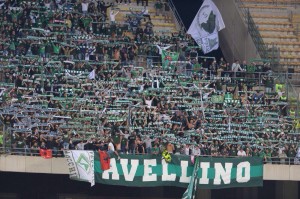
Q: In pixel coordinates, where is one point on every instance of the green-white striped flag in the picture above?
(190, 192)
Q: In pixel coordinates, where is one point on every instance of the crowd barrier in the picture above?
(48, 153)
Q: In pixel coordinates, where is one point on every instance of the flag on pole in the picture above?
(81, 165)
(167, 57)
(92, 74)
(206, 25)
(190, 192)
(46, 153)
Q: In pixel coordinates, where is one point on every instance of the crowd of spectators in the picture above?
(73, 77)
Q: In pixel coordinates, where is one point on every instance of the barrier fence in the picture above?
(57, 153)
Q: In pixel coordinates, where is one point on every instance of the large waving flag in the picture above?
(205, 26)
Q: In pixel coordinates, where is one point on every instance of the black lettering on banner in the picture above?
(72, 169)
(70, 164)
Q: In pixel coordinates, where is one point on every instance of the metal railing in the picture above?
(177, 16)
(284, 160)
(294, 3)
(257, 39)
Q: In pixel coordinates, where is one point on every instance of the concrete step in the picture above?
(288, 44)
(271, 19)
(270, 22)
(276, 29)
(277, 13)
(273, 25)
(290, 49)
(264, 6)
(269, 15)
(276, 39)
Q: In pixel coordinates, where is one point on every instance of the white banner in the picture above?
(81, 165)
(205, 26)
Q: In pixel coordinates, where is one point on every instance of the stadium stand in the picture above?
(76, 74)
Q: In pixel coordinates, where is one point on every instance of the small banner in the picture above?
(217, 99)
(168, 57)
(46, 153)
(81, 165)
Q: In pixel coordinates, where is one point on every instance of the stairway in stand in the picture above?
(161, 25)
(276, 27)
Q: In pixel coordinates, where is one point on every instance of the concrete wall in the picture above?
(31, 164)
(235, 41)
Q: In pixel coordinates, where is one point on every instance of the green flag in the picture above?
(192, 188)
(167, 57)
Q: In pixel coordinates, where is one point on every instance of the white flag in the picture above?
(92, 74)
(81, 165)
(205, 26)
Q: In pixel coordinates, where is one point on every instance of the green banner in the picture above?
(167, 57)
(152, 170)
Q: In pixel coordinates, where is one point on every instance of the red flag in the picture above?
(46, 153)
(104, 160)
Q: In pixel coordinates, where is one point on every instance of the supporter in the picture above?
(132, 143)
(236, 67)
(241, 152)
(34, 149)
(112, 15)
(146, 14)
(158, 7)
(155, 150)
(111, 149)
(140, 149)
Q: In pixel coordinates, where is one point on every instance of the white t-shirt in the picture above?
(236, 67)
(186, 150)
(80, 146)
(112, 15)
(164, 117)
(241, 153)
(47, 5)
(196, 151)
(148, 143)
(148, 103)
(111, 146)
(84, 7)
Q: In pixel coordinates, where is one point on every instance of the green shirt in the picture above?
(123, 142)
(86, 21)
(116, 139)
(42, 49)
(155, 150)
(56, 49)
(232, 152)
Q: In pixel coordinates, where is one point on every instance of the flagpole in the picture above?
(191, 190)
